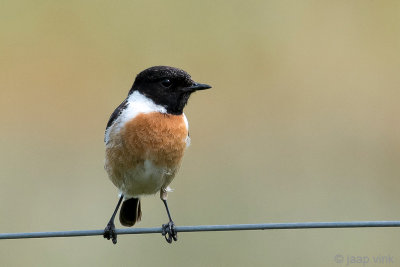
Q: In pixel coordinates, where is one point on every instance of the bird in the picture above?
(145, 140)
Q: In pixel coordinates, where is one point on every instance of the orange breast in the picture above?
(157, 137)
(149, 137)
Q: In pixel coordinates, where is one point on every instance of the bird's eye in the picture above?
(166, 83)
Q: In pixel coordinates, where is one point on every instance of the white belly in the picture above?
(145, 179)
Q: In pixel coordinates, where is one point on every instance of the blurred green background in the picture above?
(302, 124)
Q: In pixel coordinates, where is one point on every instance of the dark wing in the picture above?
(116, 113)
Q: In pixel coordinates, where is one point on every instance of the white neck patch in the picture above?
(137, 103)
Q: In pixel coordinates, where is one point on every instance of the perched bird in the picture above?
(145, 140)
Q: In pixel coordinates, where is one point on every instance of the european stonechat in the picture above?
(145, 138)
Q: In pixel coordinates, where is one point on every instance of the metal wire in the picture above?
(208, 228)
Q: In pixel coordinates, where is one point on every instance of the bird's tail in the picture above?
(130, 212)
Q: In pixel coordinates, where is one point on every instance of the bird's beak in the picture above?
(198, 86)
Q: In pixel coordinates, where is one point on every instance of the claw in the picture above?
(109, 232)
(169, 232)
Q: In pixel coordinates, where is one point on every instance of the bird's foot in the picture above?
(169, 232)
(109, 232)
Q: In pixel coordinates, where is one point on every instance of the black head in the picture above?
(167, 86)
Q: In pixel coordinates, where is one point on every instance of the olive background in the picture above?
(302, 124)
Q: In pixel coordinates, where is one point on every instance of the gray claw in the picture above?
(169, 232)
(109, 233)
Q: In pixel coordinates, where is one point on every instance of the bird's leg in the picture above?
(168, 229)
(109, 231)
